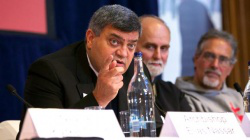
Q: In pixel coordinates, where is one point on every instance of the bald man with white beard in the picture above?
(154, 45)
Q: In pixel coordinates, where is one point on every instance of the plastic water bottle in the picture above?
(141, 102)
(246, 96)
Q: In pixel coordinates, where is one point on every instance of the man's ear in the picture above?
(90, 35)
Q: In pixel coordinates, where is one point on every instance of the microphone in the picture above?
(238, 88)
(12, 90)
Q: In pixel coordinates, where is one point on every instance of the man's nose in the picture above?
(157, 54)
(215, 63)
(122, 52)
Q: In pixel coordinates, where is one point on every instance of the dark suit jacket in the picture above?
(59, 80)
(170, 98)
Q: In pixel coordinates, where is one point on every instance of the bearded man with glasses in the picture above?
(214, 60)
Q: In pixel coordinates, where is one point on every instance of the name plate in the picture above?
(246, 124)
(201, 125)
(59, 123)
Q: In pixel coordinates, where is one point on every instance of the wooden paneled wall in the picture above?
(236, 20)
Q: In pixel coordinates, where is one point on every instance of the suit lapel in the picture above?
(85, 75)
(84, 89)
(87, 78)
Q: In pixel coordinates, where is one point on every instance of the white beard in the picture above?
(206, 81)
(154, 71)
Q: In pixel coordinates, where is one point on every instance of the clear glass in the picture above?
(124, 122)
(94, 108)
(141, 103)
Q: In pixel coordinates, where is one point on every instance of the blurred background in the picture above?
(30, 29)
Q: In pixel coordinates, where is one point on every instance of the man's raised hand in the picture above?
(109, 81)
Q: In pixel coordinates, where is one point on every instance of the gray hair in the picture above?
(212, 34)
(117, 16)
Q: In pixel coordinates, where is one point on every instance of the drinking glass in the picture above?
(124, 122)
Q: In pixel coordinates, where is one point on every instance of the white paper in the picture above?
(201, 125)
(72, 123)
(246, 124)
(28, 130)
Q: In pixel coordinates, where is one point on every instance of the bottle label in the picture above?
(143, 123)
(134, 123)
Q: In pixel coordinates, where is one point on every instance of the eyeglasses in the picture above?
(223, 60)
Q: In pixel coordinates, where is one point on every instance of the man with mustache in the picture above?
(214, 60)
(154, 45)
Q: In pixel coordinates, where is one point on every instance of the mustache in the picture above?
(118, 60)
(155, 62)
(213, 70)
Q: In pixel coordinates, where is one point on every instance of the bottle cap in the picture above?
(138, 54)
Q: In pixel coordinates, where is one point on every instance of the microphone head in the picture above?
(11, 89)
(238, 88)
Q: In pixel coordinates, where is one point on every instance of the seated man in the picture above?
(154, 45)
(95, 72)
(214, 59)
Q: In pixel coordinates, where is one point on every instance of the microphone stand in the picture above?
(13, 91)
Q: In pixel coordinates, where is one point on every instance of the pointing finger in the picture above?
(112, 65)
(107, 62)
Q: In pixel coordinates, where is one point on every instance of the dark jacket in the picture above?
(58, 80)
(170, 98)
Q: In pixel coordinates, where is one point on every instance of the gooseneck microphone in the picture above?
(238, 88)
(12, 90)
